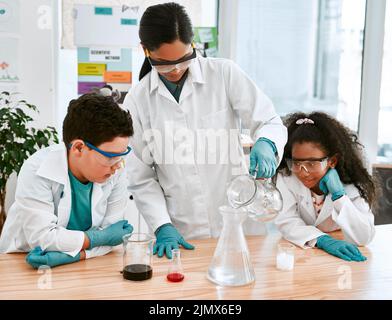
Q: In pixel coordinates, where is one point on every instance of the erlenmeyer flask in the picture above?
(175, 272)
(260, 197)
(231, 265)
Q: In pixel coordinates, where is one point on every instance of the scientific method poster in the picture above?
(100, 66)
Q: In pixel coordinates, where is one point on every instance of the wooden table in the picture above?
(316, 275)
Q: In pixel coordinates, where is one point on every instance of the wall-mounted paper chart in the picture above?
(106, 26)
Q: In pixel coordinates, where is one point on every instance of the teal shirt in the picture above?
(175, 88)
(80, 218)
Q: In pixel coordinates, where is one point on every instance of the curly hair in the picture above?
(334, 139)
(96, 119)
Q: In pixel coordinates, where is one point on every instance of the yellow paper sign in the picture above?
(91, 69)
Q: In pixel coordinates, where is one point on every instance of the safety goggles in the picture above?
(169, 66)
(108, 159)
(310, 165)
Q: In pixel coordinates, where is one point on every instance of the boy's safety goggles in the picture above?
(108, 159)
(309, 165)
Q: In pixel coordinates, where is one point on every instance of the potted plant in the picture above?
(18, 140)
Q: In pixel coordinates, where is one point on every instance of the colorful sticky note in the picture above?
(83, 54)
(117, 76)
(103, 11)
(129, 22)
(88, 87)
(91, 69)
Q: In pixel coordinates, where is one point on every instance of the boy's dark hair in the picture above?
(96, 119)
(334, 139)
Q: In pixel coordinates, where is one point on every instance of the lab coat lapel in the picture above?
(306, 203)
(326, 210)
(194, 76)
(186, 90)
(164, 92)
(64, 208)
(55, 168)
(96, 213)
(157, 84)
(305, 199)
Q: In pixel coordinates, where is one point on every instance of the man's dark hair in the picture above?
(96, 119)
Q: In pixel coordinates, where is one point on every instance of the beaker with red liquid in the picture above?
(175, 272)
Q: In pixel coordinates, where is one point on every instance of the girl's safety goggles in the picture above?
(169, 66)
(310, 166)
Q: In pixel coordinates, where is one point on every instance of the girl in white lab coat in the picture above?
(187, 111)
(70, 198)
(325, 187)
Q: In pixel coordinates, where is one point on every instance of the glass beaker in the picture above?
(260, 197)
(231, 264)
(285, 256)
(137, 256)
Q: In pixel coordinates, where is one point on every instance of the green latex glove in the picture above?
(331, 183)
(263, 156)
(110, 236)
(37, 258)
(169, 238)
(340, 248)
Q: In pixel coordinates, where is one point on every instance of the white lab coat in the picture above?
(299, 223)
(188, 192)
(41, 211)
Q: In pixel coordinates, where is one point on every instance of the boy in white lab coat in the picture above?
(70, 198)
(325, 187)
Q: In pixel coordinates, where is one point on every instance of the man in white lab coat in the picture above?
(187, 111)
(70, 198)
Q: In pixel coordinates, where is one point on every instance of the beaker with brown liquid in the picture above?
(137, 256)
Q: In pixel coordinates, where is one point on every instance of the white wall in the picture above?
(36, 66)
(36, 58)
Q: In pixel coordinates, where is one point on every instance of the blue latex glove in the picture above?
(37, 258)
(339, 248)
(331, 183)
(110, 236)
(169, 238)
(263, 157)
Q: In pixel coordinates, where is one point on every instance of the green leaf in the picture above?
(18, 139)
